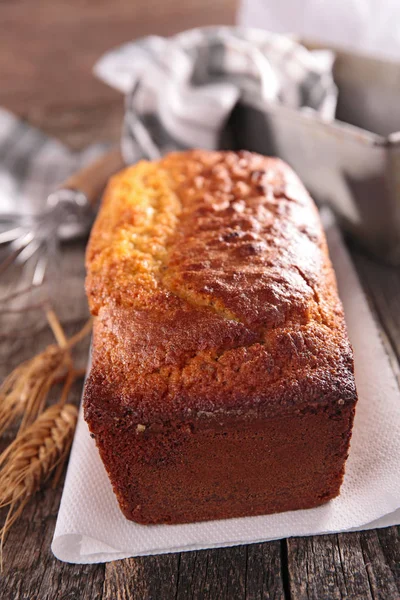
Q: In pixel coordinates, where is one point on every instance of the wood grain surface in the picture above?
(47, 50)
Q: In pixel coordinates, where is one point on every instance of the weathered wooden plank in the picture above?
(265, 571)
(249, 572)
(143, 578)
(327, 566)
(31, 572)
(381, 577)
(389, 538)
(49, 76)
(209, 574)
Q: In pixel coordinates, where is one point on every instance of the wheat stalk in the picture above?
(32, 457)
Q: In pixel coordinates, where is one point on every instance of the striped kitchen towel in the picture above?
(185, 87)
(32, 165)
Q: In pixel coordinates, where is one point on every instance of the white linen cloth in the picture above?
(90, 527)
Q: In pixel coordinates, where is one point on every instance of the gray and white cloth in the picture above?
(33, 164)
(187, 86)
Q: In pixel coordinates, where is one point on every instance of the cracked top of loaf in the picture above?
(210, 279)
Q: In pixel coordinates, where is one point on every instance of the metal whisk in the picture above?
(71, 206)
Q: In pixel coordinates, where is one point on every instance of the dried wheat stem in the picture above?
(56, 327)
(86, 329)
(59, 332)
(67, 386)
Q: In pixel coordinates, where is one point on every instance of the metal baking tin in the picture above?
(352, 163)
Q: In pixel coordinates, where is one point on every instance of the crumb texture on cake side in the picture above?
(210, 279)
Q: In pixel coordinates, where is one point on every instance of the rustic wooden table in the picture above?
(72, 106)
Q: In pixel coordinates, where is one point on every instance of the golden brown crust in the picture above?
(210, 276)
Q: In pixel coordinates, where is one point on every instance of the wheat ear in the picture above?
(24, 392)
(32, 457)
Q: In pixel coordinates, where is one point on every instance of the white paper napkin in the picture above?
(90, 527)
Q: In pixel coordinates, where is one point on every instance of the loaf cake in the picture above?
(222, 377)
